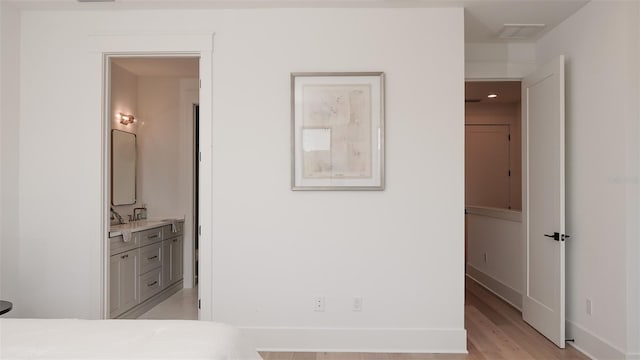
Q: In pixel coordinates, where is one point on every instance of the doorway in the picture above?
(152, 99)
(493, 187)
(500, 242)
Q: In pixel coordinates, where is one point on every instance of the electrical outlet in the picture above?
(357, 304)
(589, 307)
(318, 304)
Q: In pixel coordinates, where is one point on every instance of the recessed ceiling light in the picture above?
(492, 95)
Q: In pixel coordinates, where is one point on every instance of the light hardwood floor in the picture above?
(495, 330)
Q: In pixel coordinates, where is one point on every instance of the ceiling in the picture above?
(508, 91)
(161, 66)
(484, 19)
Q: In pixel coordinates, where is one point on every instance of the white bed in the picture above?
(122, 339)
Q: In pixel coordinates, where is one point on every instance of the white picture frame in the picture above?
(337, 131)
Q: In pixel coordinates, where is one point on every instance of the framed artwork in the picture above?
(337, 131)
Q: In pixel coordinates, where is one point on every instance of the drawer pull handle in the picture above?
(153, 257)
(124, 256)
(152, 236)
(175, 240)
(153, 283)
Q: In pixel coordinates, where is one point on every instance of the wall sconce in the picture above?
(126, 119)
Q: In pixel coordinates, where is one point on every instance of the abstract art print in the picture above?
(337, 131)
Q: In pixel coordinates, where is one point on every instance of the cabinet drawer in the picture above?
(150, 236)
(168, 230)
(179, 227)
(150, 257)
(117, 244)
(150, 284)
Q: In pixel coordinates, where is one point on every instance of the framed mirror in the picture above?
(123, 168)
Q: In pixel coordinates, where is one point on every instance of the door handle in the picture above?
(557, 237)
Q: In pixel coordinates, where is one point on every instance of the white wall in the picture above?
(124, 99)
(495, 246)
(159, 146)
(274, 249)
(600, 42)
(9, 134)
(166, 162)
(499, 60)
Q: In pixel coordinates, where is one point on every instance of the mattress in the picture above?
(122, 339)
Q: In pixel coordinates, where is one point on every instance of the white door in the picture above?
(487, 166)
(544, 206)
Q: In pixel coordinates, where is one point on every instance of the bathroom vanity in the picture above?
(145, 269)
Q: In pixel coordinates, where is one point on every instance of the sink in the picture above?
(138, 225)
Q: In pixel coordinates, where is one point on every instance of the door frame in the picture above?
(195, 151)
(105, 47)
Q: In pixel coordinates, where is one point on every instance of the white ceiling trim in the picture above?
(484, 19)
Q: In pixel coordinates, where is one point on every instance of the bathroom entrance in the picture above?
(153, 104)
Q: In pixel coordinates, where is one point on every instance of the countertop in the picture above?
(140, 225)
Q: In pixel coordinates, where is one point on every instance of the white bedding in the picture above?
(121, 339)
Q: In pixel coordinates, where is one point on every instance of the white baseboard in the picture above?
(359, 340)
(593, 346)
(501, 290)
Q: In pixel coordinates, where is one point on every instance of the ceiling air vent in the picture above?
(520, 31)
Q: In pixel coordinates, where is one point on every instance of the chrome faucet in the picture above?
(139, 211)
(114, 214)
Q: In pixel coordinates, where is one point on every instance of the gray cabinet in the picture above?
(150, 284)
(172, 253)
(150, 270)
(166, 263)
(176, 259)
(123, 272)
(150, 257)
(147, 265)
